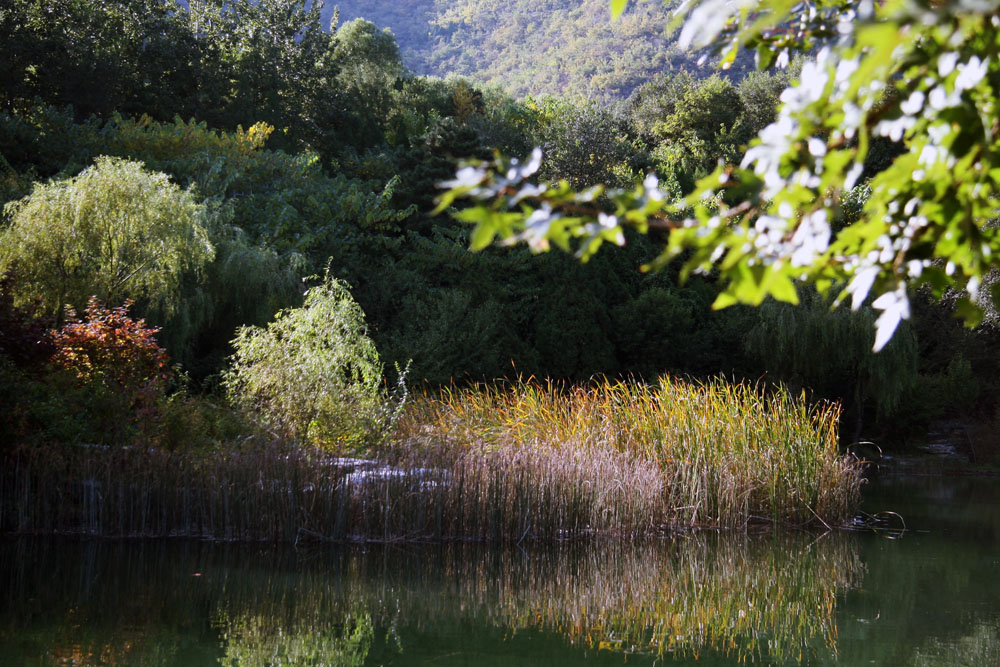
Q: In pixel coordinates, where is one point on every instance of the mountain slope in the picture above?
(531, 47)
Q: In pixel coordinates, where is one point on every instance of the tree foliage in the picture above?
(132, 56)
(115, 231)
(926, 74)
(313, 373)
(303, 148)
(829, 351)
(110, 347)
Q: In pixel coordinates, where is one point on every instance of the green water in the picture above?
(929, 596)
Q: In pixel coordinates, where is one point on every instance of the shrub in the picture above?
(115, 373)
(313, 373)
(111, 347)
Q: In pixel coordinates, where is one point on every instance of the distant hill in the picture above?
(531, 47)
(568, 47)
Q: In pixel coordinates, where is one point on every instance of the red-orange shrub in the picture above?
(110, 347)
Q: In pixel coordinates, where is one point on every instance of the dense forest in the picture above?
(261, 150)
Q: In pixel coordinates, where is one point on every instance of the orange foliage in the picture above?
(111, 347)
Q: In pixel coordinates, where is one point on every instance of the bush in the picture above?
(114, 375)
(313, 373)
(111, 347)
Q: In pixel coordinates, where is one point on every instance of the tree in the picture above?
(132, 56)
(584, 143)
(370, 76)
(225, 62)
(922, 73)
(692, 124)
(115, 231)
(313, 373)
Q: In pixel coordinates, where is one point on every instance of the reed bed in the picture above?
(496, 463)
(701, 453)
(279, 493)
(248, 492)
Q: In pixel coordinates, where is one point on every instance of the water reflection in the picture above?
(933, 596)
(709, 596)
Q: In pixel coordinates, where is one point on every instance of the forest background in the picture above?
(296, 143)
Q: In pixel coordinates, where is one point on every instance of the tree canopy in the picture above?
(303, 149)
(313, 372)
(116, 231)
(922, 74)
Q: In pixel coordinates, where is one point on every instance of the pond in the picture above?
(926, 596)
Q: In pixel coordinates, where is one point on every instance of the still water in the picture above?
(926, 596)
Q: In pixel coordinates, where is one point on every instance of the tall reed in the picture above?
(499, 463)
(684, 453)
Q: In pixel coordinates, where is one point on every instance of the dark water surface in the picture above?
(929, 596)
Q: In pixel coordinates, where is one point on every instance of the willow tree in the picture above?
(923, 73)
(313, 373)
(115, 231)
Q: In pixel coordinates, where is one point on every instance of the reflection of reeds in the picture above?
(540, 462)
(738, 595)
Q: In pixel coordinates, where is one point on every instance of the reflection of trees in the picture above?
(253, 640)
(981, 648)
(933, 590)
(738, 595)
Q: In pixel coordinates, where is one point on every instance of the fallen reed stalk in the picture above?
(530, 461)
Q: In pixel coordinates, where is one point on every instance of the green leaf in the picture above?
(724, 300)
(489, 224)
(445, 199)
(482, 236)
(765, 56)
(783, 289)
(617, 7)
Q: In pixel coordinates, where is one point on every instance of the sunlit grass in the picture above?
(674, 453)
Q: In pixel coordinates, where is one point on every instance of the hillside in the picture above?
(530, 47)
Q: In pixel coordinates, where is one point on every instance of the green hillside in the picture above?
(530, 47)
